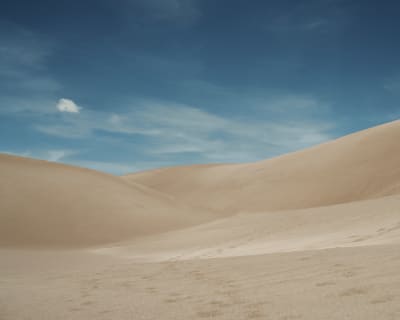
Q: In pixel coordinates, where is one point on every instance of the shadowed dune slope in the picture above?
(44, 203)
(360, 166)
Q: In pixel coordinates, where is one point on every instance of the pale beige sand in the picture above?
(49, 204)
(134, 248)
(360, 166)
(360, 283)
(363, 223)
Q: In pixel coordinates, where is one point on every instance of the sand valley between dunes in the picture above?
(313, 234)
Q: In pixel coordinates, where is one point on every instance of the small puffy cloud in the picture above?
(67, 105)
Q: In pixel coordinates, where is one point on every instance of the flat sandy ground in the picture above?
(343, 283)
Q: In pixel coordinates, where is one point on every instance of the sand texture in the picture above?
(309, 235)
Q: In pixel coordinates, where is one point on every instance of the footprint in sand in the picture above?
(324, 284)
(75, 309)
(151, 290)
(353, 292)
(255, 314)
(338, 265)
(255, 310)
(171, 300)
(209, 314)
(348, 274)
(291, 317)
(382, 300)
(305, 258)
(104, 312)
(220, 304)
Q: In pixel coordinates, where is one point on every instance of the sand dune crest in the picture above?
(360, 166)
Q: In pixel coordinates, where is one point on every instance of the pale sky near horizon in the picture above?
(127, 85)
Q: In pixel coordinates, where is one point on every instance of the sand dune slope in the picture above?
(360, 166)
(44, 203)
(364, 223)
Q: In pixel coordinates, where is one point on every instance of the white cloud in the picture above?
(67, 105)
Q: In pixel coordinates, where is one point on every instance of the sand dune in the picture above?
(44, 203)
(48, 204)
(310, 235)
(363, 223)
(360, 166)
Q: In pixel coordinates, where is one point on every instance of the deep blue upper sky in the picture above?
(128, 85)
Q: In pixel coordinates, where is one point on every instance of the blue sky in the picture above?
(127, 85)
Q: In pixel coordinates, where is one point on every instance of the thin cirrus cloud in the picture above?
(156, 132)
(27, 84)
(173, 130)
(52, 155)
(70, 157)
(23, 60)
(169, 10)
(392, 85)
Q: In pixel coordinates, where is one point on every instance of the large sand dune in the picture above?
(44, 203)
(360, 166)
(306, 236)
(48, 204)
